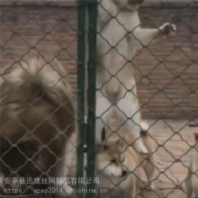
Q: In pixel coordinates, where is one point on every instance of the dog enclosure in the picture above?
(165, 71)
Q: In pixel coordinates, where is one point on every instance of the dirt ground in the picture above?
(174, 139)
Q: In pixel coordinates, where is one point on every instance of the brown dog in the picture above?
(37, 118)
(137, 163)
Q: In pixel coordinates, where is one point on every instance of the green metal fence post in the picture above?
(81, 92)
(92, 35)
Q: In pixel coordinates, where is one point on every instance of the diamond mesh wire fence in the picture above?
(99, 98)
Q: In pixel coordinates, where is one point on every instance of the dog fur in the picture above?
(37, 117)
(150, 160)
(119, 168)
(121, 117)
(113, 165)
(135, 163)
(119, 35)
(192, 176)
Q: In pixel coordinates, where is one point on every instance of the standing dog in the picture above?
(119, 35)
(37, 118)
(192, 176)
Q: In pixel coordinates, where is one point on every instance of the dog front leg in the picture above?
(146, 35)
(64, 168)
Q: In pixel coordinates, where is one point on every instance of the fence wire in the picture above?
(138, 138)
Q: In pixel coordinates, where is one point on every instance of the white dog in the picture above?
(119, 35)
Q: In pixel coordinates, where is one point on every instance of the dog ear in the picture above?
(103, 134)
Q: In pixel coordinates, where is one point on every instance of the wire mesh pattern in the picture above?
(146, 97)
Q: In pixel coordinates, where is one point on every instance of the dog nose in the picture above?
(124, 172)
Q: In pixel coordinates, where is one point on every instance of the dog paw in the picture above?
(167, 29)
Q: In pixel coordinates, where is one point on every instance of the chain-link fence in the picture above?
(97, 98)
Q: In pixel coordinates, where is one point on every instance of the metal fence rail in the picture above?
(81, 91)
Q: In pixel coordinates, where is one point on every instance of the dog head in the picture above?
(111, 158)
(131, 5)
